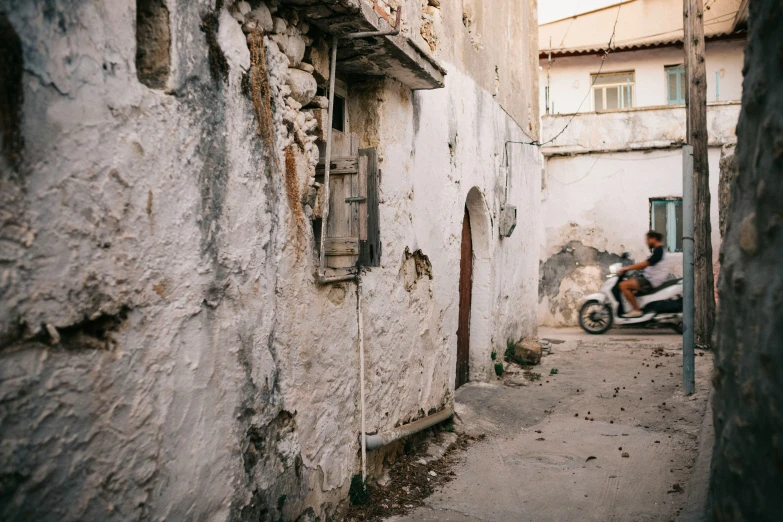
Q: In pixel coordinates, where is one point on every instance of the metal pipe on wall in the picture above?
(382, 439)
(360, 320)
(688, 304)
(327, 165)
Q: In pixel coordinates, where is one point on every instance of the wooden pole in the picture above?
(688, 362)
(696, 109)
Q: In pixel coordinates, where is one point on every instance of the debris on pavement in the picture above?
(412, 478)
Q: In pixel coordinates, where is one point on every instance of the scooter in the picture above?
(661, 306)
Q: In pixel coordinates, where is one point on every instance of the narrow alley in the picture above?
(324, 260)
(605, 434)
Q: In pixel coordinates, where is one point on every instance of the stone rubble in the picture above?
(526, 352)
(296, 64)
(430, 15)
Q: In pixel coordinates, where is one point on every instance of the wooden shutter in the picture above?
(675, 85)
(369, 213)
(343, 223)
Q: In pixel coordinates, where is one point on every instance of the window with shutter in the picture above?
(675, 85)
(352, 228)
(369, 214)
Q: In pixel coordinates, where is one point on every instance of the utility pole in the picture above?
(696, 109)
(688, 363)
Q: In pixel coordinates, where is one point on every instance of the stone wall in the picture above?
(747, 458)
(165, 350)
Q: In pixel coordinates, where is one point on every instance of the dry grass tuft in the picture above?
(260, 91)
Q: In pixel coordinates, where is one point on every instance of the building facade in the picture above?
(171, 344)
(613, 124)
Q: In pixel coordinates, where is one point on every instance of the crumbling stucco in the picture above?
(566, 277)
(642, 128)
(166, 351)
(602, 201)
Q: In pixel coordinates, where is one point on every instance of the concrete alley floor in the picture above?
(554, 448)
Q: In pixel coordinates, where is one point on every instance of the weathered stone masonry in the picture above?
(165, 350)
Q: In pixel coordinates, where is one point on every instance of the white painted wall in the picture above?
(234, 376)
(602, 201)
(569, 77)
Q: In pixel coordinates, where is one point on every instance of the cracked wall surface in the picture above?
(595, 207)
(165, 351)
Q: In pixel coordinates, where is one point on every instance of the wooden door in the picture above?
(465, 290)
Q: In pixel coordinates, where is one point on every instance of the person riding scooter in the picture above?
(654, 272)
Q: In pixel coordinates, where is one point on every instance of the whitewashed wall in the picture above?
(569, 77)
(594, 208)
(232, 377)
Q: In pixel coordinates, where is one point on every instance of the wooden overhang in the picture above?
(393, 56)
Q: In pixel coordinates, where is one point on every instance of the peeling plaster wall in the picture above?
(601, 172)
(497, 44)
(634, 129)
(597, 206)
(201, 373)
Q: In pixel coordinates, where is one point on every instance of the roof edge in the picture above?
(654, 44)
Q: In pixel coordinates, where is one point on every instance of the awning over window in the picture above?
(393, 56)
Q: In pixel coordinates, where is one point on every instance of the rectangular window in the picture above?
(612, 91)
(666, 218)
(340, 115)
(675, 85)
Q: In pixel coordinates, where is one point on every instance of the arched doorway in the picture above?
(473, 329)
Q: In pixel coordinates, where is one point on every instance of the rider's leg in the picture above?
(628, 287)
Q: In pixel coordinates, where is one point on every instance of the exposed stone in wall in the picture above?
(165, 352)
(415, 266)
(470, 11)
(430, 18)
(565, 276)
(153, 43)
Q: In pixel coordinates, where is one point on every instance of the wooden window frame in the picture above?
(678, 70)
(620, 90)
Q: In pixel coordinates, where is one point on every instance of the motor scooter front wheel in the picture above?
(595, 318)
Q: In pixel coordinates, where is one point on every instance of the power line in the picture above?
(576, 10)
(609, 47)
(537, 143)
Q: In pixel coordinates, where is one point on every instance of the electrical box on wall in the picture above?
(508, 220)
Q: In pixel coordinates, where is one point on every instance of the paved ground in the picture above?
(553, 447)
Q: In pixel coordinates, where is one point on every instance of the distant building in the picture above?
(615, 115)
